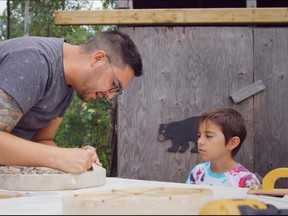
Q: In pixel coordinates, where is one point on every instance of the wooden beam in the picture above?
(233, 16)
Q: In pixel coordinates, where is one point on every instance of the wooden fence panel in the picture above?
(271, 105)
(187, 70)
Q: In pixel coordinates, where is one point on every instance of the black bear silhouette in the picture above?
(180, 132)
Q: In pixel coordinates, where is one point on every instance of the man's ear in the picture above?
(233, 142)
(98, 57)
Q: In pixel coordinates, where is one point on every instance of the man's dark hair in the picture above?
(120, 48)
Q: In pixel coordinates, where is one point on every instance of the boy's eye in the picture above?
(204, 135)
(209, 136)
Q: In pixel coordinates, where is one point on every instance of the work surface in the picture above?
(50, 202)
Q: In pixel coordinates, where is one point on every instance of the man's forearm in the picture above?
(15, 151)
(48, 142)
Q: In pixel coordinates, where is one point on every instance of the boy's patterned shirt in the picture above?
(239, 176)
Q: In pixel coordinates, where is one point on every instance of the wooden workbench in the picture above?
(50, 203)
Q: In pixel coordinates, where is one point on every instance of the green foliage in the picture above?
(84, 123)
(2, 28)
(109, 3)
(41, 19)
(88, 124)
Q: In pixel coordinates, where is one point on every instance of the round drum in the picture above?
(45, 179)
(164, 201)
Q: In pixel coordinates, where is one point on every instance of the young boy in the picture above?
(221, 133)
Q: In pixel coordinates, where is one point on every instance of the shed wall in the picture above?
(187, 70)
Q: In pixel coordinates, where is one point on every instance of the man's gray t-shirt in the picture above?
(31, 71)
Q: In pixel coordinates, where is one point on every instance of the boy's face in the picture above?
(211, 142)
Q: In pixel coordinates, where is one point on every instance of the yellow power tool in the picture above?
(240, 207)
(252, 206)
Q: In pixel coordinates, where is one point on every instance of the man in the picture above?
(38, 78)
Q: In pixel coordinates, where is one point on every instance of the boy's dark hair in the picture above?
(230, 121)
(120, 48)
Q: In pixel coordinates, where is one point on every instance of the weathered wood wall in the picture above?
(271, 107)
(188, 70)
(191, 69)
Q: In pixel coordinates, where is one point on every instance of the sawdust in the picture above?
(28, 170)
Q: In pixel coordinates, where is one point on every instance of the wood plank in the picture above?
(275, 192)
(247, 91)
(271, 105)
(235, 16)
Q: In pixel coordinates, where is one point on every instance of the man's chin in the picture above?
(84, 99)
(88, 100)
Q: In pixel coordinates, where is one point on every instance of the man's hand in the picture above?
(93, 155)
(76, 160)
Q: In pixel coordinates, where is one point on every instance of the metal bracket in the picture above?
(251, 3)
(123, 4)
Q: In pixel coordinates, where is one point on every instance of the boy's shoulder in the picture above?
(243, 172)
(240, 168)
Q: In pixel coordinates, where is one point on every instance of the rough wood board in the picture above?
(247, 91)
(152, 200)
(270, 115)
(50, 182)
(173, 16)
(275, 192)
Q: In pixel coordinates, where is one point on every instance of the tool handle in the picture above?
(269, 179)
